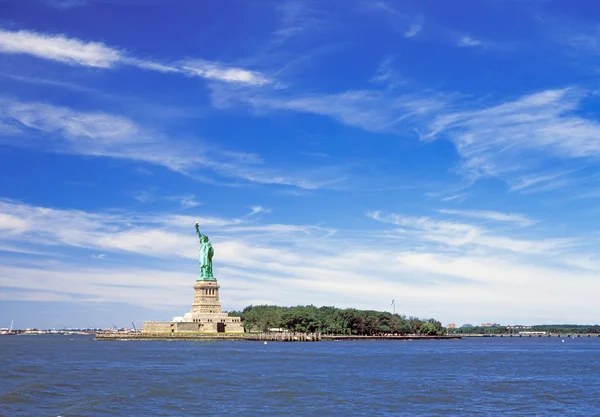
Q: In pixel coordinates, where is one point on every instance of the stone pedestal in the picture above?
(206, 315)
(206, 298)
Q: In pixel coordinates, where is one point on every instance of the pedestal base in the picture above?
(207, 323)
(206, 315)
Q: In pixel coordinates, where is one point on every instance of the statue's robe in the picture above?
(206, 255)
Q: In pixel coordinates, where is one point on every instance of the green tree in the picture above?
(300, 319)
(262, 317)
(428, 329)
(308, 319)
(415, 325)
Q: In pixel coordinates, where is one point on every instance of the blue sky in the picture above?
(441, 154)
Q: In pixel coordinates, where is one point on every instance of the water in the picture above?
(76, 376)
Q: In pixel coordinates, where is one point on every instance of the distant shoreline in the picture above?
(274, 337)
(533, 335)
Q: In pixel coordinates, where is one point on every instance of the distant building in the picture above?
(490, 325)
(451, 326)
(467, 325)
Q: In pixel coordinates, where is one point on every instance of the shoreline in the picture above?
(257, 337)
(533, 335)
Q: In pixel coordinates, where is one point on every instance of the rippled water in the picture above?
(76, 376)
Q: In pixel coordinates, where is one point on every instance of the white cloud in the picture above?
(97, 126)
(517, 139)
(297, 19)
(98, 286)
(95, 133)
(468, 41)
(281, 229)
(127, 232)
(540, 182)
(414, 28)
(387, 76)
(64, 130)
(215, 71)
(65, 4)
(518, 219)
(143, 196)
(372, 110)
(460, 197)
(454, 235)
(152, 66)
(296, 264)
(10, 223)
(187, 201)
(58, 47)
(258, 210)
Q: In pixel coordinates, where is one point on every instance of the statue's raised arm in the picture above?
(198, 231)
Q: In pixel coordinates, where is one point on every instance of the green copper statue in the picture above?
(206, 255)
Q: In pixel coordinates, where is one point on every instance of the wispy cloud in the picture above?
(460, 197)
(94, 133)
(293, 264)
(387, 75)
(258, 210)
(403, 23)
(518, 219)
(59, 48)
(373, 110)
(578, 37)
(516, 139)
(65, 4)
(98, 126)
(512, 141)
(215, 71)
(186, 201)
(137, 104)
(468, 41)
(99, 134)
(414, 28)
(72, 51)
(82, 229)
(541, 182)
(158, 235)
(455, 234)
(385, 7)
(143, 196)
(298, 18)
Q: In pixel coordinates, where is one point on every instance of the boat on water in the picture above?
(9, 331)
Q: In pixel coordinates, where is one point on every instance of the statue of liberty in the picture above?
(206, 254)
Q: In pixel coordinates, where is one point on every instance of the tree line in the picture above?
(548, 328)
(332, 320)
(567, 328)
